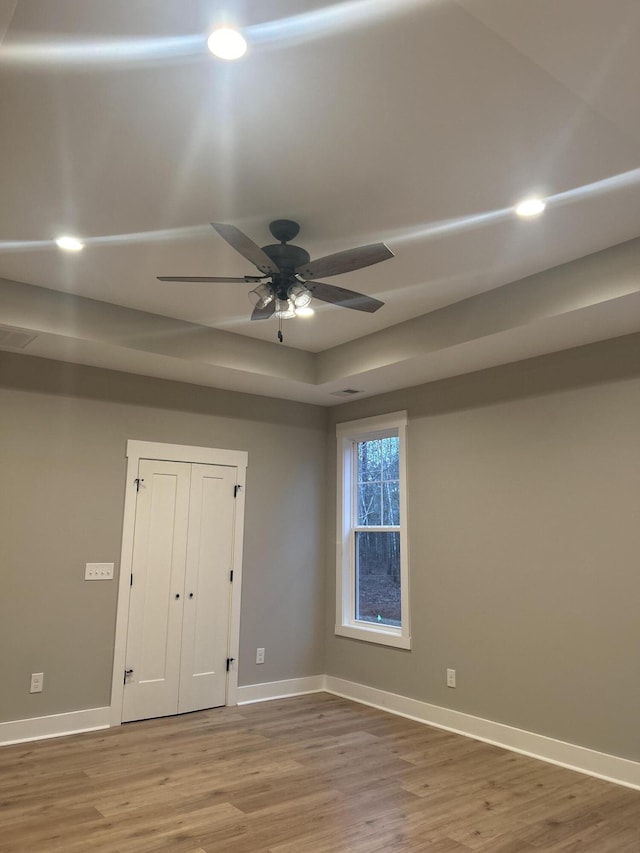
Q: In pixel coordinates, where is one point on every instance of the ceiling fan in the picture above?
(287, 283)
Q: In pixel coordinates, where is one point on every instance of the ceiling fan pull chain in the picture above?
(280, 335)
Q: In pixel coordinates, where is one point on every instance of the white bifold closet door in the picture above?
(178, 630)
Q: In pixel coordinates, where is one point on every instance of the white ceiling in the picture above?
(417, 122)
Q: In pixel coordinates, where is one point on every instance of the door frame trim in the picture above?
(137, 450)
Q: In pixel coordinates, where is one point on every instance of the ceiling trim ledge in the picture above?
(572, 287)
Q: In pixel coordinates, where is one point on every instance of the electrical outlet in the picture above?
(451, 678)
(98, 572)
(259, 655)
(37, 681)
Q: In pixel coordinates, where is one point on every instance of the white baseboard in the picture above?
(599, 764)
(611, 768)
(55, 725)
(569, 755)
(280, 689)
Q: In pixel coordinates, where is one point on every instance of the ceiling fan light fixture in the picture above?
(227, 43)
(261, 296)
(305, 311)
(299, 295)
(285, 309)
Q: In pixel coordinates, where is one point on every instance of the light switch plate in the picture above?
(98, 572)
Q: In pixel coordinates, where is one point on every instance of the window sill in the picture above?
(374, 635)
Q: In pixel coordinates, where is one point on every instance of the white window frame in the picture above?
(348, 435)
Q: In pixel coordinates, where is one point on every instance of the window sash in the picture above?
(377, 577)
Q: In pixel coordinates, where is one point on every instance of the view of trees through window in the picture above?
(377, 552)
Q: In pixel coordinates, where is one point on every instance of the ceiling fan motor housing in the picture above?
(286, 258)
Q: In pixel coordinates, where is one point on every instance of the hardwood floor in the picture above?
(312, 774)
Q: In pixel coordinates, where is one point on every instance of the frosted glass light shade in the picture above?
(261, 296)
(299, 295)
(285, 309)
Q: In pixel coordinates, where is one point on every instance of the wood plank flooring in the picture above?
(311, 774)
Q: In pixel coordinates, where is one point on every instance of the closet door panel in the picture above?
(205, 638)
(155, 626)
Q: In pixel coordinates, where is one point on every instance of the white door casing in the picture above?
(205, 495)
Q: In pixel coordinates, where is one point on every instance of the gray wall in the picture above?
(63, 433)
(524, 539)
(524, 536)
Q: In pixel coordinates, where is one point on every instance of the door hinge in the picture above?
(229, 662)
(137, 481)
(231, 576)
(236, 489)
(127, 673)
(131, 581)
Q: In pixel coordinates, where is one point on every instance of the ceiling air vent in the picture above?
(346, 392)
(14, 338)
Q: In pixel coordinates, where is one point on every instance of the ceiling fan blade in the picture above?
(247, 248)
(264, 313)
(246, 278)
(352, 259)
(343, 297)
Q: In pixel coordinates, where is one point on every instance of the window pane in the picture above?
(378, 577)
(390, 457)
(369, 504)
(391, 503)
(378, 481)
(369, 458)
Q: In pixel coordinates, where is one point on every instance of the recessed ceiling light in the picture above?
(305, 311)
(226, 43)
(69, 244)
(530, 207)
